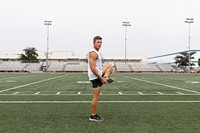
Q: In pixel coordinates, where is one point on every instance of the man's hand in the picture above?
(103, 80)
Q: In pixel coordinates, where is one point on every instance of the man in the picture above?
(98, 75)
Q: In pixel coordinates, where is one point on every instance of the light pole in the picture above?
(189, 21)
(125, 24)
(46, 22)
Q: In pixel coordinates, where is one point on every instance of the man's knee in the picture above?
(107, 70)
(110, 66)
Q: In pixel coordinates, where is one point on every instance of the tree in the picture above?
(29, 55)
(199, 61)
(183, 59)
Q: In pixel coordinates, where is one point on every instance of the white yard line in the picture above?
(68, 102)
(37, 93)
(120, 93)
(15, 93)
(170, 86)
(180, 93)
(184, 94)
(140, 93)
(16, 87)
(160, 93)
(13, 77)
(58, 93)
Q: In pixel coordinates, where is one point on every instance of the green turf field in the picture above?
(135, 103)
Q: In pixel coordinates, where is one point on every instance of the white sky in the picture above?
(157, 25)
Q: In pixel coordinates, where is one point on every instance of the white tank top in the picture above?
(98, 66)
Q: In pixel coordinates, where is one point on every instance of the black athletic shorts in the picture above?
(96, 83)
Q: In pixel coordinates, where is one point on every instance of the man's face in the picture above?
(97, 44)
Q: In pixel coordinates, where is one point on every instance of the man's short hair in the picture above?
(96, 38)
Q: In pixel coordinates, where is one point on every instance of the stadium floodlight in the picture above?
(125, 24)
(189, 21)
(48, 23)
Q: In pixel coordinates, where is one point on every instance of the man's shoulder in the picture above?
(93, 51)
(93, 54)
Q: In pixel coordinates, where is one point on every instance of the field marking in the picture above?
(170, 86)
(79, 93)
(68, 102)
(11, 81)
(120, 93)
(160, 93)
(180, 93)
(156, 76)
(176, 78)
(120, 81)
(83, 82)
(15, 93)
(16, 87)
(13, 77)
(37, 93)
(58, 93)
(192, 82)
(140, 93)
(184, 94)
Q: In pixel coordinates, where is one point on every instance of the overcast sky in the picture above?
(157, 25)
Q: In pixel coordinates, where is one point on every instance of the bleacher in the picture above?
(33, 67)
(67, 67)
(66, 61)
(56, 66)
(12, 66)
(141, 67)
(122, 67)
(81, 66)
(166, 68)
(17, 66)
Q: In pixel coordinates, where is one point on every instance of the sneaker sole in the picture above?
(95, 120)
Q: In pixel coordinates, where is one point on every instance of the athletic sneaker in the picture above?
(95, 118)
(110, 80)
